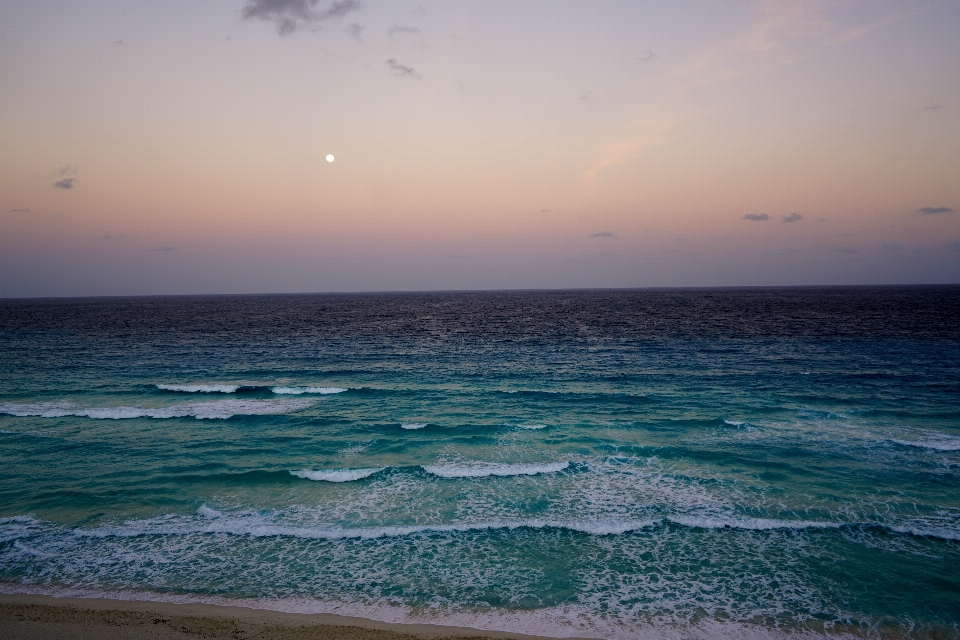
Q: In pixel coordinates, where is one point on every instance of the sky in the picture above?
(174, 147)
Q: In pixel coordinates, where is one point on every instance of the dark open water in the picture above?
(609, 463)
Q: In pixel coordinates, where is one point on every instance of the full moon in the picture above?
(329, 157)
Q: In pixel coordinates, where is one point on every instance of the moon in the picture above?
(329, 157)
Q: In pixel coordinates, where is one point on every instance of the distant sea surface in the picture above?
(617, 464)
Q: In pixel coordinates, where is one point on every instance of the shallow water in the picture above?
(607, 463)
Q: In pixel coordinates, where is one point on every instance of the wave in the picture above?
(258, 524)
(337, 475)
(301, 390)
(484, 469)
(931, 440)
(532, 426)
(220, 409)
(413, 425)
(200, 388)
(734, 423)
(233, 388)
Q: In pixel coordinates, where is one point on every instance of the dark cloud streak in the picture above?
(289, 15)
(932, 210)
(66, 183)
(756, 217)
(402, 69)
(793, 217)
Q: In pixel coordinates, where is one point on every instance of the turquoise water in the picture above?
(609, 464)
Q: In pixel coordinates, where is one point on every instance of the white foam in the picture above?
(220, 409)
(337, 475)
(200, 388)
(484, 469)
(208, 512)
(413, 425)
(734, 423)
(933, 440)
(753, 524)
(295, 391)
(532, 426)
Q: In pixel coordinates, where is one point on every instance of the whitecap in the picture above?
(200, 388)
(484, 469)
(295, 391)
(734, 423)
(337, 475)
(220, 409)
(413, 425)
(532, 426)
(932, 440)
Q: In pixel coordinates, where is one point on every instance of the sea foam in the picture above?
(413, 425)
(220, 409)
(295, 391)
(200, 388)
(484, 469)
(337, 475)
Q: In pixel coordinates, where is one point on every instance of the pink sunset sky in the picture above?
(180, 147)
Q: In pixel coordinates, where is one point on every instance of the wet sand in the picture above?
(35, 617)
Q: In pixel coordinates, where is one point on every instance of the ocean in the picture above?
(615, 464)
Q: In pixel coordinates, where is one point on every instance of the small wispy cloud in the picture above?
(67, 170)
(756, 217)
(410, 31)
(289, 15)
(545, 210)
(107, 236)
(66, 183)
(933, 107)
(120, 43)
(402, 69)
(165, 247)
(647, 56)
(19, 210)
(792, 217)
(355, 30)
(603, 234)
(932, 210)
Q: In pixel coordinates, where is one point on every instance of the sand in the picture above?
(35, 617)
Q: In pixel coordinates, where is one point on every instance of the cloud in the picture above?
(413, 31)
(846, 249)
(603, 234)
(640, 135)
(933, 107)
(120, 43)
(756, 217)
(165, 247)
(289, 15)
(793, 217)
(355, 30)
(930, 210)
(68, 170)
(107, 236)
(19, 210)
(541, 210)
(402, 69)
(647, 56)
(66, 183)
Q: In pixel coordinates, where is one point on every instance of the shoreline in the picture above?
(42, 617)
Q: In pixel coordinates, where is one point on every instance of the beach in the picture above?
(37, 617)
